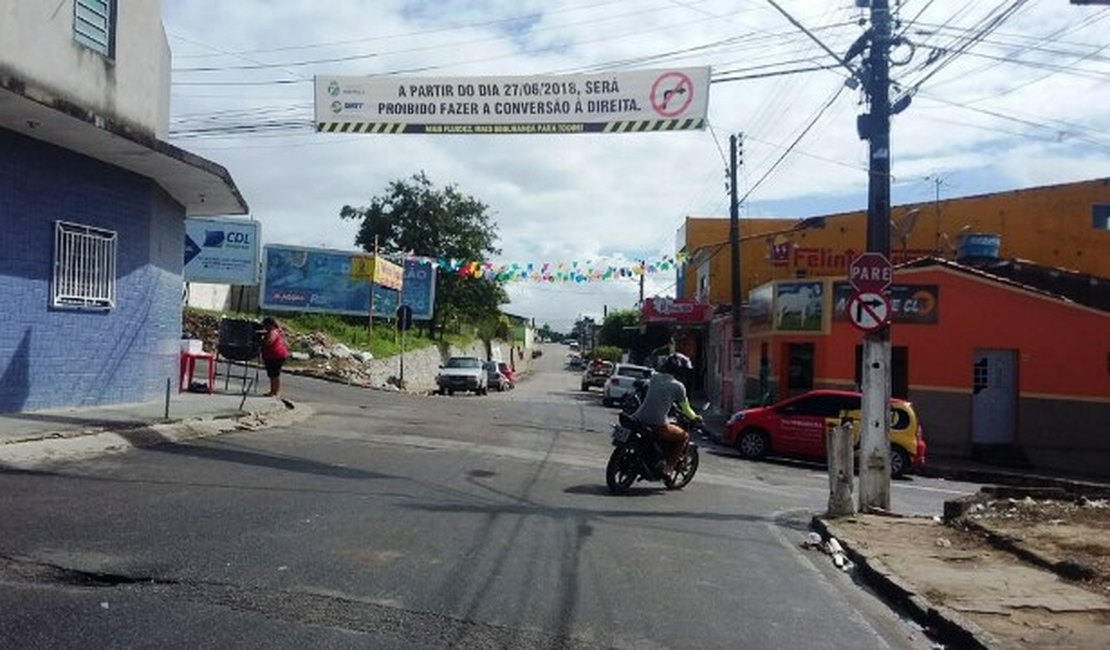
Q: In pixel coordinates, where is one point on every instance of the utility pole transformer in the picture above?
(739, 356)
(874, 471)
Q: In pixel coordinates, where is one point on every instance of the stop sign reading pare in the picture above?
(870, 273)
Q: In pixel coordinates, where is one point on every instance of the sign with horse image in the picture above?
(800, 306)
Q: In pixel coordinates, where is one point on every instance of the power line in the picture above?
(990, 23)
(813, 122)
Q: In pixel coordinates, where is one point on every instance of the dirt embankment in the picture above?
(316, 353)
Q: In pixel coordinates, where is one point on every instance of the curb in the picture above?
(944, 623)
(101, 440)
(996, 477)
(1066, 569)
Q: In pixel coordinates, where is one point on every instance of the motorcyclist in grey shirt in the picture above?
(664, 390)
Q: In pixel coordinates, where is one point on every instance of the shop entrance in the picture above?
(993, 397)
(799, 368)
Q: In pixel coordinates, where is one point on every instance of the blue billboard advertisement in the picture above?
(321, 280)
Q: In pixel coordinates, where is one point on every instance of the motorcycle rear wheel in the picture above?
(621, 472)
(684, 472)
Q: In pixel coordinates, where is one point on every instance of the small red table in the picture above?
(189, 365)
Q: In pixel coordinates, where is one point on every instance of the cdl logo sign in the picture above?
(217, 238)
(222, 250)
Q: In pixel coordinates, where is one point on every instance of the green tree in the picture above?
(549, 334)
(620, 329)
(414, 217)
(623, 329)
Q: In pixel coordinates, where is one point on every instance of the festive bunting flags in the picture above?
(577, 271)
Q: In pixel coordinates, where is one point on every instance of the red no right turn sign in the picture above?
(869, 311)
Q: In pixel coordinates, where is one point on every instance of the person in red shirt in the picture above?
(274, 354)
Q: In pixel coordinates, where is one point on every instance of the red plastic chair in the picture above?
(189, 366)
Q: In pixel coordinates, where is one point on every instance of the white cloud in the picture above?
(584, 197)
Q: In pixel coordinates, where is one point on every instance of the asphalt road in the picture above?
(390, 520)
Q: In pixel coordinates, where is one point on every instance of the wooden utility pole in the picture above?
(373, 273)
(643, 274)
(739, 363)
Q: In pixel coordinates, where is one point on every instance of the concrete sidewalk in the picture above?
(966, 592)
(34, 437)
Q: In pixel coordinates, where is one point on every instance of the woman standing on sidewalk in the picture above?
(274, 354)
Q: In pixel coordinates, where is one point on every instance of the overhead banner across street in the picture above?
(620, 102)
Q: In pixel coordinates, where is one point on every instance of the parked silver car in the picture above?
(621, 381)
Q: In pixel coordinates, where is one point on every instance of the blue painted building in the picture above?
(93, 203)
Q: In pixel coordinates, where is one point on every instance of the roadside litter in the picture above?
(832, 548)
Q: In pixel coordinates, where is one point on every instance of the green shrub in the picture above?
(608, 352)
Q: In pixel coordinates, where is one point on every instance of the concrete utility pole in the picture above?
(874, 471)
(739, 370)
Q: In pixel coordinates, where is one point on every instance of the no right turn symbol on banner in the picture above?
(869, 311)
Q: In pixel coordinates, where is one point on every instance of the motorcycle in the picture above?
(639, 456)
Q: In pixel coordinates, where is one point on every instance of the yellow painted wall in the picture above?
(1049, 225)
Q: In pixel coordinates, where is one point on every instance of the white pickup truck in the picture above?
(462, 374)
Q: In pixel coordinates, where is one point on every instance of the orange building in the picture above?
(1007, 356)
(995, 368)
(1066, 226)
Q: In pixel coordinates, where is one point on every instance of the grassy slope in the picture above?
(350, 332)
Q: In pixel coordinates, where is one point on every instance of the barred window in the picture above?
(94, 25)
(84, 267)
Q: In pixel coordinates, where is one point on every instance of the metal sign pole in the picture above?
(373, 272)
(402, 386)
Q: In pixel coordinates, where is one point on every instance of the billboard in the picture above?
(909, 303)
(295, 278)
(221, 251)
(614, 102)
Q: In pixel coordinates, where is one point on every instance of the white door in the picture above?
(994, 397)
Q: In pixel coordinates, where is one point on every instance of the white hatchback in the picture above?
(621, 381)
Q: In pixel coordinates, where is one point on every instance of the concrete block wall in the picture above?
(57, 357)
(421, 366)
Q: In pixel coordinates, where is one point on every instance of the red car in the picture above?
(796, 427)
(508, 372)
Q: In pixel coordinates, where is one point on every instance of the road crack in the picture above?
(308, 607)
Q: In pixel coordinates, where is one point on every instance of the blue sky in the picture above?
(1023, 105)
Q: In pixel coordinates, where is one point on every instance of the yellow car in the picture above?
(907, 440)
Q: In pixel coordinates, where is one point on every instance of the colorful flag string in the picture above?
(574, 271)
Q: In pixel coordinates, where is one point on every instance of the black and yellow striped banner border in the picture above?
(359, 127)
(637, 126)
(631, 126)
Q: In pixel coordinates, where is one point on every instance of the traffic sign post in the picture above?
(404, 322)
(869, 311)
